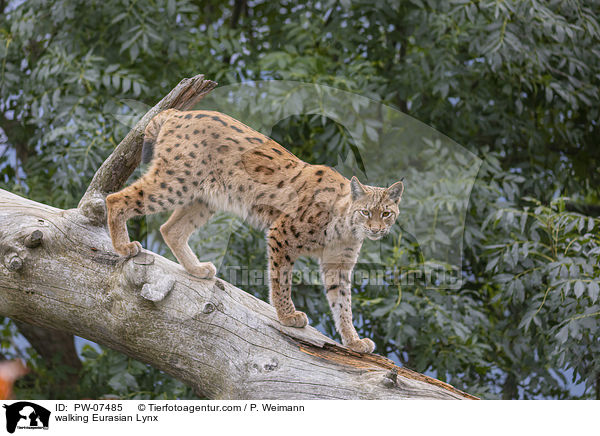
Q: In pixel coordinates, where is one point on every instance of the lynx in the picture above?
(204, 161)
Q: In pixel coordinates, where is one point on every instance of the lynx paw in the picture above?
(130, 249)
(205, 270)
(362, 345)
(298, 319)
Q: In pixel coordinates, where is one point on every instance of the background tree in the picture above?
(514, 82)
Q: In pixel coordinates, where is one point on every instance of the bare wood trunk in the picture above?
(218, 339)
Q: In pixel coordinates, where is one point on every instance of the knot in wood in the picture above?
(271, 366)
(14, 262)
(208, 308)
(143, 259)
(390, 379)
(158, 289)
(93, 207)
(262, 365)
(34, 239)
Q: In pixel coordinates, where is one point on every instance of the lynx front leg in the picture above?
(337, 279)
(177, 231)
(280, 275)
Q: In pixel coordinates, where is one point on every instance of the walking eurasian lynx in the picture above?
(205, 161)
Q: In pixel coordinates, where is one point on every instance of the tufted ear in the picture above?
(395, 191)
(357, 189)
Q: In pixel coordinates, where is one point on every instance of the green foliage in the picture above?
(515, 82)
(112, 374)
(548, 276)
(105, 374)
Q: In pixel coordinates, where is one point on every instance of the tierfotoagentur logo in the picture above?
(26, 415)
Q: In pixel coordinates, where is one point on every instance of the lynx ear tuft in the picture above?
(395, 191)
(357, 189)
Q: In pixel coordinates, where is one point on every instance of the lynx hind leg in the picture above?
(140, 198)
(121, 206)
(177, 231)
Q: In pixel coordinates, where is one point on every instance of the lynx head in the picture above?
(373, 209)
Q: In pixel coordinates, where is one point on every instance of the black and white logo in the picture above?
(26, 415)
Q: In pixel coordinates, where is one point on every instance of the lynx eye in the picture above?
(385, 214)
(365, 212)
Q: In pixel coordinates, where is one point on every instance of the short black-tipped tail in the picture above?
(147, 150)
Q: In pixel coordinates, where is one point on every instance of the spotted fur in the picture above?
(203, 161)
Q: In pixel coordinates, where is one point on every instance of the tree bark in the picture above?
(58, 270)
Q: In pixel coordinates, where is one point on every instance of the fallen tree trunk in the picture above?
(219, 339)
(58, 270)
